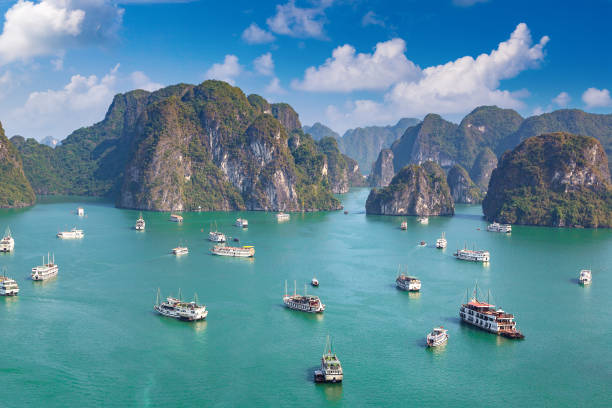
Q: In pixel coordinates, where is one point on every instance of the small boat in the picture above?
(441, 242)
(422, 243)
(140, 223)
(80, 211)
(7, 244)
(407, 283)
(472, 255)
(404, 226)
(72, 234)
(236, 240)
(176, 308)
(8, 286)
(496, 227)
(180, 250)
(242, 223)
(281, 216)
(314, 282)
(240, 252)
(346, 212)
(331, 368)
(423, 220)
(216, 236)
(303, 303)
(176, 218)
(46, 271)
(437, 337)
(585, 277)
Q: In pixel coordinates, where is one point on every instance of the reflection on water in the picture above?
(333, 392)
(199, 326)
(9, 302)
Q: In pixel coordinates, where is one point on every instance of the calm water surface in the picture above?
(90, 337)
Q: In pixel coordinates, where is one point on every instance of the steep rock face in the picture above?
(15, 190)
(285, 114)
(39, 166)
(462, 187)
(342, 171)
(356, 179)
(318, 131)
(383, 170)
(572, 121)
(364, 144)
(483, 166)
(555, 179)
(260, 104)
(415, 190)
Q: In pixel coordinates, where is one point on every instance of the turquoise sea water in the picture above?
(90, 337)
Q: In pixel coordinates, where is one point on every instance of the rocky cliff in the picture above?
(285, 114)
(318, 131)
(485, 163)
(415, 190)
(15, 190)
(342, 171)
(383, 170)
(555, 179)
(462, 187)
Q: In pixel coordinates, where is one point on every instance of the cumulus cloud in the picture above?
(467, 3)
(451, 88)
(141, 81)
(370, 18)
(274, 87)
(562, 100)
(226, 71)
(596, 98)
(347, 71)
(83, 101)
(264, 64)
(299, 22)
(49, 27)
(255, 35)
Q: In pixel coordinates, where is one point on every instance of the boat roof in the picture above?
(476, 303)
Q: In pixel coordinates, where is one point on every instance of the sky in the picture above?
(344, 63)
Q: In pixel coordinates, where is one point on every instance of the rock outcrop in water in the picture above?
(342, 171)
(383, 169)
(415, 190)
(15, 189)
(555, 179)
(462, 187)
(485, 163)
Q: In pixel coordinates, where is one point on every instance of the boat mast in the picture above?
(294, 288)
(157, 298)
(179, 295)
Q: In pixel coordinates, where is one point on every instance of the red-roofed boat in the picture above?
(486, 317)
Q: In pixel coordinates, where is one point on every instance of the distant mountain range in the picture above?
(363, 144)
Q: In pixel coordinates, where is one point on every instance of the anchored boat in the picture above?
(281, 216)
(240, 252)
(423, 220)
(585, 277)
(72, 234)
(80, 211)
(486, 317)
(314, 282)
(8, 286)
(472, 255)
(331, 369)
(437, 337)
(45, 271)
(441, 242)
(216, 236)
(7, 244)
(180, 250)
(242, 223)
(407, 283)
(176, 218)
(176, 308)
(496, 227)
(140, 223)
(404, 226)
(303, 303)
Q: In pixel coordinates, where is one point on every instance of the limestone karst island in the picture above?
(305, 203)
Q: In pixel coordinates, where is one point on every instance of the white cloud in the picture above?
(142, 81)
(274, 87)
(562, 100)
(58, 63)
(346, 71)
(467, 3)
(370, 18)
(49, 27)
(226, 71)
(264, 64)
(299, 22)
(83, 101)
(596, 98)
(255, 35)
(452, 88)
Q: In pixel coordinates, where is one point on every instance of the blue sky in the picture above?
(343, 63)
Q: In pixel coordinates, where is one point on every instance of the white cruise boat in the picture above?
(216, 236)
(331, 368)
(240, 252)
(80, 211)
(180, 250)
(441, 242)
(140, 223)
(7, 244)
(282, 216)
(496, 227)
(407, 283)
(437, 337)
(314, 282)
(242, 223)
(8, 286)
(472, 255)
(176, 308)
(303, 303)
(486, 317)
(404, 226)
(72, 234)
(46, 271)
(585, 277)
(423, 220)
(176, 218)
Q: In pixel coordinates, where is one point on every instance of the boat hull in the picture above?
(175, 315)
(504, 333)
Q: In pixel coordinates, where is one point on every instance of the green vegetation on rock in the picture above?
(15, 190)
